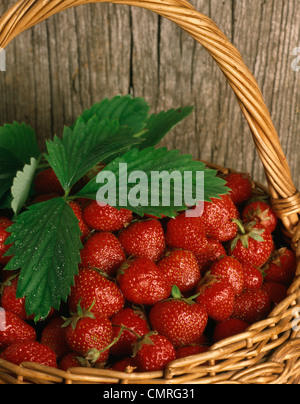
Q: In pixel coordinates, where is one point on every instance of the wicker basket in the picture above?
(269, 351)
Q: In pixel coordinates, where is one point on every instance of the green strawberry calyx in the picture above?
(247, 231)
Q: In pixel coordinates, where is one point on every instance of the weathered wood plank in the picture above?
(78, 57)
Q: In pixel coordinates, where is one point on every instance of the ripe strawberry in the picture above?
(29, 351)
(182, 269)
(4, 234)
(190, 350)
(262, 213)
(254, 244)
(142, 282)
(46, 182)
(229, 328)
(218, 219)
(14, 329)
(125, 365)
(153, 353)
(86, 332)
(85, 231)
(181, 321)
(241, 187)
(187, 233)
(281, 268)
(54, 336)
(106, 218)
(144, 239)
(92, 288)
(253, 277)
(5, 222)
(252, 306)
(133, 321)
(104, 252)
(276, 291)
(216, 296)
(231, 270)
(71, 360)
(214, 251)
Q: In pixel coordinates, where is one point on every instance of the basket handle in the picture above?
(285, 197)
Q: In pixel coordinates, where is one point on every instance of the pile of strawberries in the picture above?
(152, 290)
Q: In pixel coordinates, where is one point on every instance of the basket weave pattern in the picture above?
(269, 351)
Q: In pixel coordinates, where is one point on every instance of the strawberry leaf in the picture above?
(46, 247)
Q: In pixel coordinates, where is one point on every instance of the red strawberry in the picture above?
(218, 218)
(88, 332)
(54, 336)
(132, 320)
(106, 218)
(231, 270)
(282, 267)
(253, 277)
(182, 269)
(142, 282)
(252, 306)
(44, 198)
(229, 328)
(262, 213)
(14, 329)
(276, 291)
(92, 288)
(5, 222)
(187, 233)
(71, 360)
(127, 365)
(214, 251)
(241, 187)
(190, 350)
(181, 321)
(104, 252)
(46, 182)
(85, 231)
(254, 244)
(144, 239)
(29, 351)
(153, 353)
(4, 234)
(216, 296)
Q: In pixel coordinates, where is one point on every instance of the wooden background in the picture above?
(76, 58)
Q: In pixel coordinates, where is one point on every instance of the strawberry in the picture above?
(241, 187)
(86, 332)
(29, 351)
(106, 218)
(252, 306)
(187, 233)
(71, 360)
(144, 239)
(46, 182)
(142, 282)
(127, 365)
(182, 269)
(262, 213)
(14, 329)
(54, 336)
(4, 234)
(133, 321)
(253, 244)
(229, 328)
(214, 251)
(276, 291)
(231, 270)
(253, 277)
(153, 353)
(85, 231)
(5, 222)
(44, 198)
(218, 218)
(92, 288)
(181, 321)
(104, 252)
(190, 350)
(216, 296)
(281, 268)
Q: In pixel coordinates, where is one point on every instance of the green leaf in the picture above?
(157, 126)
(22, 185)
(46, 248)
(86, 145)
(156, 193)
(17, 145)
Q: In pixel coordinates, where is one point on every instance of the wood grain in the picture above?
(76, 58)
